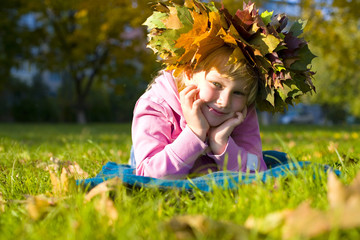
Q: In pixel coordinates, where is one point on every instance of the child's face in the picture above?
(223, 97)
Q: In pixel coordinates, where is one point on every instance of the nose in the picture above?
(224, 99)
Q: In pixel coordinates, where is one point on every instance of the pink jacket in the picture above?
(165, 147)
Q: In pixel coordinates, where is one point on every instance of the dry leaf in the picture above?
(305, 222)
(269, 223)
(103, 187)
(38, 206)
(62, 185)
(336, 192)
(2, 203)
(75, 170)
(198, 226)
(105, 206)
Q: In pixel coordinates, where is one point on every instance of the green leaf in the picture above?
(185, 18)
(306, 57)
(265, 44)
(167, 41)
(155, 20)
(298, 27)
(266, 17)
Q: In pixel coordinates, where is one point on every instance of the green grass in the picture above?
(143, 212)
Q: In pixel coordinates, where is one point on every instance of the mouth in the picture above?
(216, 111)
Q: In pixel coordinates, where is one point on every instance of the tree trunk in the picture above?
(80, 111)
(80, 116)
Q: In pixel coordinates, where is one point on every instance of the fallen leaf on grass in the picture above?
(2, 203)
(306, 222)
(103, 187)
(77, 171)
(62, 185)
(39, 206)
(269, 223)
(72, 167)
(344, 202)
(105, 206)
(199, 226)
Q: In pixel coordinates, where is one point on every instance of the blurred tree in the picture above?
(91, 40)
(333, 30)
(11, 44)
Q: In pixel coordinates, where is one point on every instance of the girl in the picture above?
(199, 115)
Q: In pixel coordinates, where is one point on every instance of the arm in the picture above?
(244, 142)
(157, 153)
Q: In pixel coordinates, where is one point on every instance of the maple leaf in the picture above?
(202, 227)
(106, 208)
(39, 206)
(173, 21)
(103, 187)
(307, 222)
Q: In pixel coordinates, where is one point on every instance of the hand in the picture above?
(218, 136)
(191, 107)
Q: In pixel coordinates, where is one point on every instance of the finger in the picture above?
(186, 90)
(244, 112)
(240, 117)
(190, 97)
(198, 103)
(184, 95)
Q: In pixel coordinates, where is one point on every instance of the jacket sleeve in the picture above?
(157, 154)
(243, 151)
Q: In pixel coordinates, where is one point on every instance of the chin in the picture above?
(215, 122)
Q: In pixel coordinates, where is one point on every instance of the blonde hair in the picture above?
(239, 71)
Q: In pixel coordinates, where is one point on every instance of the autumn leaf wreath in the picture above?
(184, 34)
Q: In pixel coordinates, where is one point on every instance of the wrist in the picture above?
(200, 133)
(217, 147)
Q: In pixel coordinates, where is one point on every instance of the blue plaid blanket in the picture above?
(207, 183)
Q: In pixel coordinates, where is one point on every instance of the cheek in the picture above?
(207, 94)
(239, 105)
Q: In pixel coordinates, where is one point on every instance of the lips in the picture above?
(216, 112)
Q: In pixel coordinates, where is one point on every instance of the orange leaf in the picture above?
(305, 222)
(173, 21)
(200, 25)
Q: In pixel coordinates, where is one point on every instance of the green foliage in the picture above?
(86, 41)
(333, 31)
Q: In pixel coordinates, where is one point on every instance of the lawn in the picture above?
(33, 207)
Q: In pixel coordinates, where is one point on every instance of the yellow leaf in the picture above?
(105, 206)
(103, 187)
(38, 206)
(336, 191)
(202, 227)
(305, 222)
(173, 21)
(2, 203)
(75, 170)
(64, 184)
(200, 25)
(269, 223)
(236, 56)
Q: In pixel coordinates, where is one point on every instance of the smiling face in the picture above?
(226, 88)
(223, 96)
